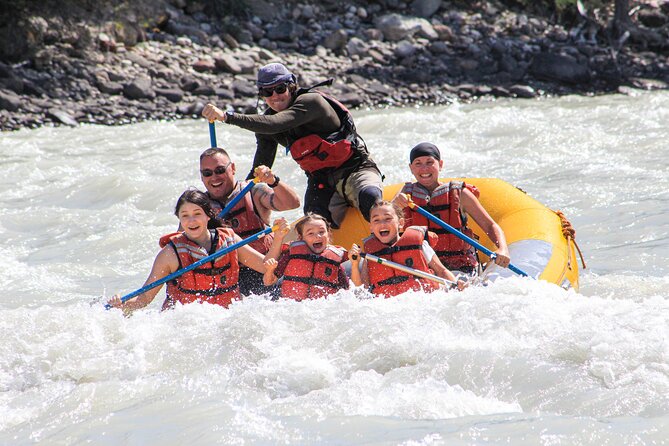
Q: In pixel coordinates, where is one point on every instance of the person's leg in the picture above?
(363, 189)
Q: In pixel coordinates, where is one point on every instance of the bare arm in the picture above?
(251, 258)
(280, 198)
(472, 206)
(166, 263)
(269, 278)
(275, 250)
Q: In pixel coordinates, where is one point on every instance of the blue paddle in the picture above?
(238, 197)
(200, 262)
(462, 236)
(212, 133)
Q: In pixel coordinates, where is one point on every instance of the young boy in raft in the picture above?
(452, 202)
(310, 267)
(411, 249)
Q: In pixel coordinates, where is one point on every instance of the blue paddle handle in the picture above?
(192, 266)
(235, 200)
(212, 133)
(466, 238)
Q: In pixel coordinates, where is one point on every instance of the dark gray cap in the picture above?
(274, 73)
(425, 149)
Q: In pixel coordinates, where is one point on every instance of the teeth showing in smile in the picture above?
(384, 232)
(426, 175)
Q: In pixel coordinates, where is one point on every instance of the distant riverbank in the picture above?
(166, 59)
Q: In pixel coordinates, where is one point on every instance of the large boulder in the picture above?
(396, 27)
(560, 68)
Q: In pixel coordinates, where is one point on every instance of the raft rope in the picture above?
(570, 234)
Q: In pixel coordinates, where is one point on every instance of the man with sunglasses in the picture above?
(320, 134)
(253, 212)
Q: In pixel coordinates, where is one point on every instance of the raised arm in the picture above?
(281, 197)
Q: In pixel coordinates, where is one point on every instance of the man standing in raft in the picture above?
(320, 134)
(252, 213)
(451, 202)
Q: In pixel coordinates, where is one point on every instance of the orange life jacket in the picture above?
(313, 152)
(407, 250)
(444, 202)
(309, 275)
(215, 283)
(244, 220)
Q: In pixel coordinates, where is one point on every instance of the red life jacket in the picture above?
(313, 152)
(407, 250)
(244, 220)
(215, 283)
(309, 275)
(444, 202)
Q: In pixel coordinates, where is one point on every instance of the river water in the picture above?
(518, 362)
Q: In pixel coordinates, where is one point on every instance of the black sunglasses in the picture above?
(220, 170)
(267, 92)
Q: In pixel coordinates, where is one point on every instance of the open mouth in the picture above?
(425, 175)
(317, 246)
(384, 232)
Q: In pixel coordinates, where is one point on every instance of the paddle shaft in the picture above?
(212, 133)
(228, 207)
(192, 266)
(406, 269)
(462, 236)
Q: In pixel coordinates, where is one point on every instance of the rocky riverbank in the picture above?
(167, 60)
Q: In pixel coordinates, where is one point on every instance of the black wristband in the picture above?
(275, 183)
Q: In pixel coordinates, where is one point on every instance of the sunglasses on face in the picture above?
(267, 92)
(220, 170)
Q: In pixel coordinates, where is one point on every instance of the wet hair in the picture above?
(212, 151)
(379, 204)
(310, 217)
(198, 198)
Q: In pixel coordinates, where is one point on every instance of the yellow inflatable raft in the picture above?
(533, 232)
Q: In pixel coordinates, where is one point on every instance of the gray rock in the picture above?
(243, 88)
(172, 94)
(63, 117)
(336, 41)
(557, 67)
(286, 31)
(225, 93)
(204, 90)
(522, 91)
(356, 46)
(404, 49)
(228, 63)
(140, 88)
(109, 87)
(9, 100)
(396, 27)
(425, 8)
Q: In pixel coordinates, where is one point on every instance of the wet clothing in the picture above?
(306, 275)
(444, 202)
(215, 282)
(246, 221)
(407, 250)
(312, 114)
